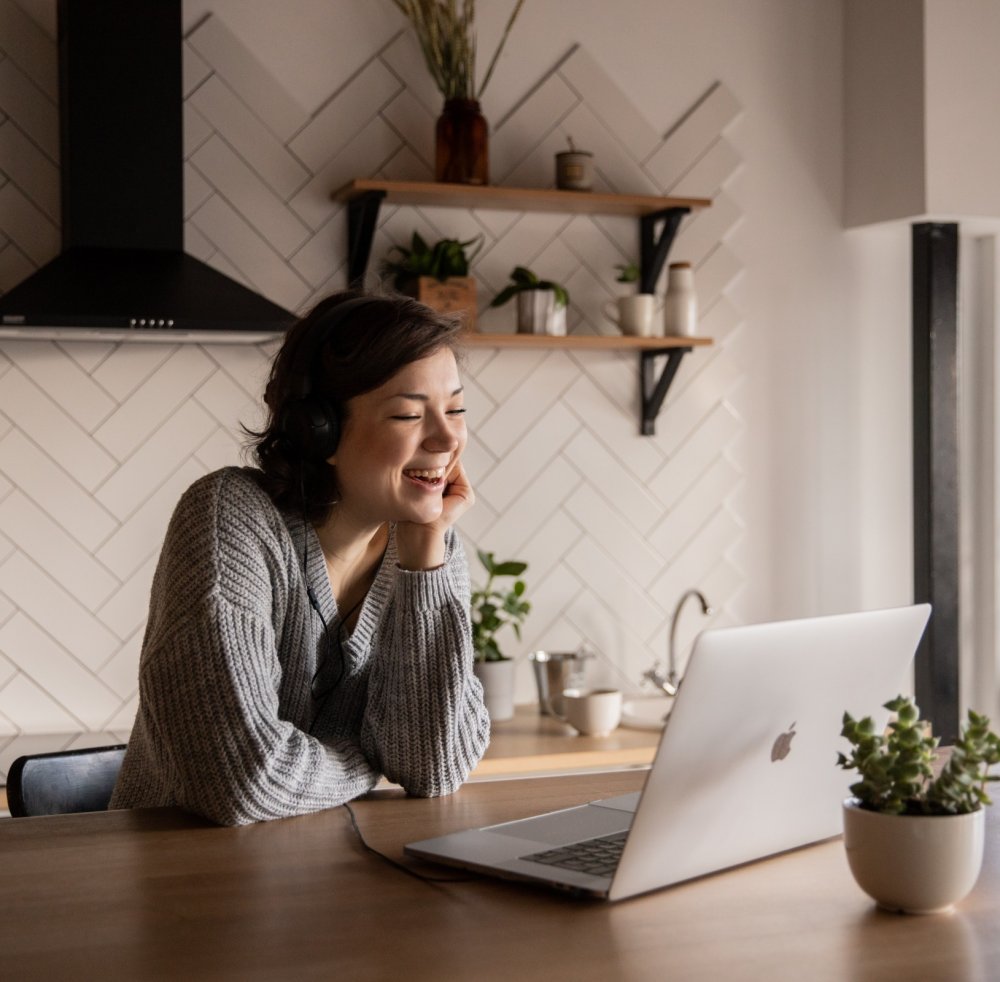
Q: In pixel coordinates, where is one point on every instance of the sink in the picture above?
(646, 712)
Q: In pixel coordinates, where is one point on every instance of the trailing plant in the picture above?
(524, 279)
(445, 258)
(447, 37)
(897, 767)
(494, 609)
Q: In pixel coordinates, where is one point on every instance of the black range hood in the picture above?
(122, 273)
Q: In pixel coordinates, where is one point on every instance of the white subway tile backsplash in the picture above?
(512, 476)
(128, 366)
(154, 402)
(261, 92)
(27, 45)
(710, 173)
(25, 104)
(688, 140)
(529, 403)
(620, 487)
(613, 532)
(42, 601)
(152, 464)
(49, 486)
(249, 137)
(609, 103)
(249, 252)
(414, 123)
(56, 374)
(517, 527)
(138, 539)
(120, 674)
(616, 583)
(250, 196)
(29, 228)
(62, 557)
(14, 266)
(56, 669)
(125, 612)
(32, 710)
(334, 126)
(51, 427)
(34, 173)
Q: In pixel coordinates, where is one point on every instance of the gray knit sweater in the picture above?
(227, 726)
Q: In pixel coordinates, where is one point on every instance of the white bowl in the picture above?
(646, 712)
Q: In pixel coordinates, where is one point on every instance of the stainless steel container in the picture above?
(554, 672)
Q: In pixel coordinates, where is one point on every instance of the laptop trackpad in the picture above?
(570, 825)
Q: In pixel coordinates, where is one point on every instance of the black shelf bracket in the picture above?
(653, 250)
(362, 216)
(654, 390)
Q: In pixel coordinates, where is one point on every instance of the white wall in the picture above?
(819, 467)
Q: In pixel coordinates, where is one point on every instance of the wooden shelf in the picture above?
(514, 199)
(578, 342)
(659, 219)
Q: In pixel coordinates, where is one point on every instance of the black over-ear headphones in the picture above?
(311, 422)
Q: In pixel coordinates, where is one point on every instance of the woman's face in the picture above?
(400, 441)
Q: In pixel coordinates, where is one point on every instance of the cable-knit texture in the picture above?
(227, 726)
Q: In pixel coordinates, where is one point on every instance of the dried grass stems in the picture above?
(447, 37)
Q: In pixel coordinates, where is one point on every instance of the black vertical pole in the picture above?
(935, 469)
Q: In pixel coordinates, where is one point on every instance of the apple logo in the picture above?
(783, 744)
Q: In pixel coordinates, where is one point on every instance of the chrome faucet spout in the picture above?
(672, 677)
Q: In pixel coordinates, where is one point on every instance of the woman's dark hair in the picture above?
(329, 357)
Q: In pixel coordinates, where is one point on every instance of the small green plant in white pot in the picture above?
(493, 609)
(914, 829)
(541, 304)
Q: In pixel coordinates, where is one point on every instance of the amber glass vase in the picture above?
(462, 144)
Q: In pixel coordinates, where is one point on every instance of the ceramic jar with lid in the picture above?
(680, 304)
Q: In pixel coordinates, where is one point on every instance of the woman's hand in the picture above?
(422, 546)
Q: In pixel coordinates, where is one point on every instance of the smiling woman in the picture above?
(309, 624)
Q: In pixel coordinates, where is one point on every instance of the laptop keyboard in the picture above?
(598, 857)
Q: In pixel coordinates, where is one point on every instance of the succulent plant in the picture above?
(897, 768)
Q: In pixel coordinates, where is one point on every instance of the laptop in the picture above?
(745, 768)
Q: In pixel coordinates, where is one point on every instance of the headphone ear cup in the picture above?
(313, 427)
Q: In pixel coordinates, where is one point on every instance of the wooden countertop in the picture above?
(531, 743)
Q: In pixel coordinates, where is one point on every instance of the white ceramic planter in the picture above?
(497, 678)
(918, 864)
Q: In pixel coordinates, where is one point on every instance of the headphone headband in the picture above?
(310, 421)
(302, 366)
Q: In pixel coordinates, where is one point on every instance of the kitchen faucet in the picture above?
(669, 682)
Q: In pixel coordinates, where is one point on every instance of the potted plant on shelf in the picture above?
(437, 275)
(914, 839)
(492, 610)
(541, 304)
(447, 37)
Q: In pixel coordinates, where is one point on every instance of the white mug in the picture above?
(634, 314)
(593, 712)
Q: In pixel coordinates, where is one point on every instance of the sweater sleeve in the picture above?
(212, 733)
(425, 723)
(209, 693)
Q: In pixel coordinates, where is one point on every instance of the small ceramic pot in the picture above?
(917, 864)
(497, 678)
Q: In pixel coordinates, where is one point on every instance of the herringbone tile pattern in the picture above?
(97, 441)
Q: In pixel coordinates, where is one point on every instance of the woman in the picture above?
(309, 624)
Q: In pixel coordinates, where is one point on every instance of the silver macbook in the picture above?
(746, 766)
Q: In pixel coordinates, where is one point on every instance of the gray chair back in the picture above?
(64, 781)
